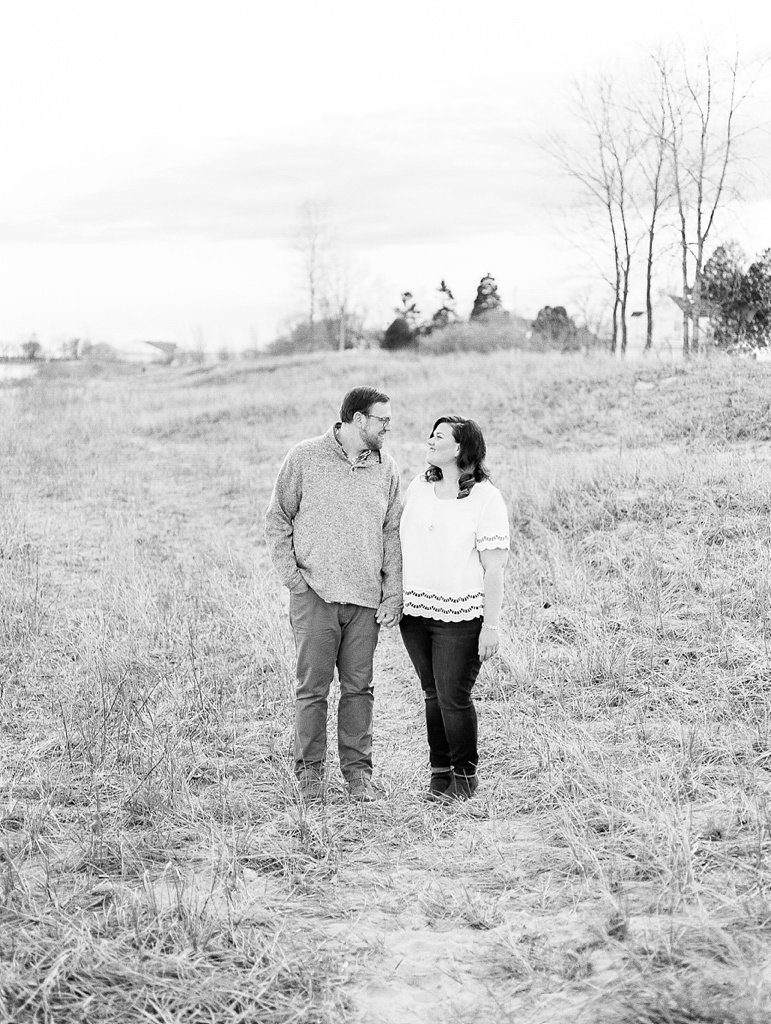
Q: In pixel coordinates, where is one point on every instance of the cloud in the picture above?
(414, 180)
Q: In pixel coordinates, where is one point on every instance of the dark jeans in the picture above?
(330, 635)
(446, 658)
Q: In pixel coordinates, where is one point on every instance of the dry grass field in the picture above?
(155, 862)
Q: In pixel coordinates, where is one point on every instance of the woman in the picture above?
(455, 541)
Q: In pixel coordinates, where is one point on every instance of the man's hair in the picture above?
(360, 400)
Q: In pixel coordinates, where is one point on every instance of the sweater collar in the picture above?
(361, 459)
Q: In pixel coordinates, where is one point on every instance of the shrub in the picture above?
(554, 329)
(398, 334)
(738, 302)
(445, 315)
(479, 336)
(487, 299)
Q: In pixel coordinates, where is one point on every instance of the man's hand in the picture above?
(385, 617)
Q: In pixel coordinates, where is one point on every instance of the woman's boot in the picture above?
(463, 786)
(441, 780)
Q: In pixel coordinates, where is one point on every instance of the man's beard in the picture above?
(374, 443)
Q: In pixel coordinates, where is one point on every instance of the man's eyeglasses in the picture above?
(385, 420)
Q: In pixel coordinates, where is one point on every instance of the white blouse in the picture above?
(441, 539)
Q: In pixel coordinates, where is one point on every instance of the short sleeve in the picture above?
(493, 527)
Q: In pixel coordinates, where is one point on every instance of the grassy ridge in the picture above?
(155, 863)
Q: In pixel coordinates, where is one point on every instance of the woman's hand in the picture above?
(387, 616)
(488, 642)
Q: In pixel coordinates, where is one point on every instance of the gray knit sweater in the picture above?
(334, 527)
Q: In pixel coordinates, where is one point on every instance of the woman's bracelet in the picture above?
(488, 626)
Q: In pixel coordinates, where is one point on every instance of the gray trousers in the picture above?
(330, 635)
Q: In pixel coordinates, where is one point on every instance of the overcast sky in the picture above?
(156, 154)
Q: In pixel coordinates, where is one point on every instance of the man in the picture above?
(332, 528)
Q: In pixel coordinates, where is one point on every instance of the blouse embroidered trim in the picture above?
(419, 602)
(492, 540)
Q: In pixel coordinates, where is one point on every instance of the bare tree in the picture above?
(329, 274)
(312, 241)
(591, 318)
(620, 145)
(337, 299)
(656, 180)
(702, 99)
(603, 165)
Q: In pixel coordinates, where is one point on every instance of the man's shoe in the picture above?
(311, 785)
(441, 780)
(361, 789)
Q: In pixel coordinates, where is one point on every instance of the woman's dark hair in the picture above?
(360, 400)
(471, 457)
